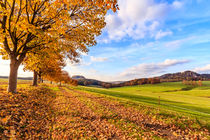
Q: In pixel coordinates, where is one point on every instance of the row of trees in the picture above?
(44, 32)
(133, 82)
(193, 83)
(86, 82)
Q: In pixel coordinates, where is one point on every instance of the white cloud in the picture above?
(139, 71)
(177, 4)
(154, 26)
(90, 73)
(150, 69)
(178, 43)
(83, 53)
(137, 18)
(98, 59)
(203, 69)
(162, 34)
(80, 63)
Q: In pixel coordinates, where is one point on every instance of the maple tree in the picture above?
(68, 24)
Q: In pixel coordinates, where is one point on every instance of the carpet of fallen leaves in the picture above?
(40, 113)
(27, 114)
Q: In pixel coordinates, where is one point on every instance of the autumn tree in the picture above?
(63, 77)
(68, 24)
(52, 74)
(200, 83)
(73, 82)
(41, 62)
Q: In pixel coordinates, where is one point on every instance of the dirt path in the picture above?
(84, 115)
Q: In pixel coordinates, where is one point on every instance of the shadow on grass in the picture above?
(187, 88)
(182, 89)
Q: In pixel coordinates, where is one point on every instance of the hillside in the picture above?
(170, 77)
(187, 75)
(87, 82)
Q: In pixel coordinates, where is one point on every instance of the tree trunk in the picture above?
(35, 79)
(40, 77)
(14, 65)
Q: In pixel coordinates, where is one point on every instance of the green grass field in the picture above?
(174, 96)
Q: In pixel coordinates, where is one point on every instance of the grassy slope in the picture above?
(174, 96)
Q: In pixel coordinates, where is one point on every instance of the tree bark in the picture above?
(14, 65)
(35, 79)
(40, 77)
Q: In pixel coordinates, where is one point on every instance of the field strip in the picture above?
(130, 114)
(169, 105)
(126, 126)
(146, 126)
(186, 109)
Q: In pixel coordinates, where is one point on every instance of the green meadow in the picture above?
(173, 96)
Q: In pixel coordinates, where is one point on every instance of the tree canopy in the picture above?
(69, 25)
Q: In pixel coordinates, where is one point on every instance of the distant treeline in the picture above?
(20, 78)
(170, 77)
(86, 82)
(187, 76)
(185, 79)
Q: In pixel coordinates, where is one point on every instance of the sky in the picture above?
(146, 38)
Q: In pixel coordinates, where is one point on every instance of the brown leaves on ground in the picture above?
(150, 125)
(27, 115)
(38, 113)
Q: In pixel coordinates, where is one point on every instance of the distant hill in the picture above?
(20, 78)
(76, 77)
(186, 75)
(170, 77)
(87, 82)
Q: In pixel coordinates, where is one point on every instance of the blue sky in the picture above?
(147, 38)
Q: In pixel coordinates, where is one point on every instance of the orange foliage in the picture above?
(68, 25)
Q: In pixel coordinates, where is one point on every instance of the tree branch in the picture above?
(6, 46)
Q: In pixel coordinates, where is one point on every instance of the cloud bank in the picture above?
(150, 69)
(138, 19)
(205, 69)
(98, 59)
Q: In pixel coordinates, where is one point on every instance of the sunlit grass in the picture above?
(174, 96)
